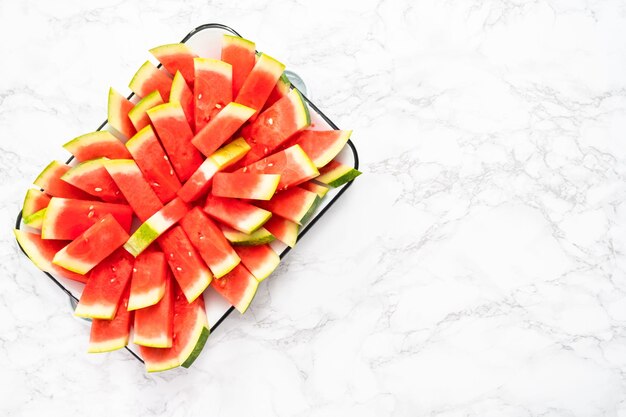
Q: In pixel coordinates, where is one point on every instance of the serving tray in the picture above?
(205, 41)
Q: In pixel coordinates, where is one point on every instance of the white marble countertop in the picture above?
(477, 268)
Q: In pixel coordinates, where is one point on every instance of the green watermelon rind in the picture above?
(35, 220)
(204, 335)
(311, 211)
(258, 237)
(30, 201)
(338, 177)
(240, 41)
(141, 239)
(302, 110)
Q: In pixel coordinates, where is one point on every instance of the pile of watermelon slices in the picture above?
(211, 163)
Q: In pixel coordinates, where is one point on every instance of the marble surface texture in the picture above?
(477, 268)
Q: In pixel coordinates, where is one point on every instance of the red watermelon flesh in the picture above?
(240, 53)
(260, 82)
(190, 331)
(212, 88)
(117, 114)
(109, 335)
(93, 178)
(153, 324)
(34, 201)
(66, 218)
(171, 126)
(50, 181)
(149, 78)
(182, 94)
(292, 164)
(190, 272)
(221, 128)
(154, 163)
(210, 242)
(245, 185)
(238, 287)
(92, 246)
(148, 281)
(138, 115)
(235, 213)
(99, 144)
(176, 57)
(131, 182)
(260, 260)
(284, 230)
(107, 283)
(275, 125)
(41, 252)
(294, 204)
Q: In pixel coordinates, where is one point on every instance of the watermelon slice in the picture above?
(182, 94)
(200, 182)
(281, 89)
(190, 272)
(336, 174)
(41, 252)
(260, 260)
(109, 335)
(284, 230)
(245, 185)
(138, 115)
(156, 225)
(66, 218)
(34, 201)
(147, 285)
(237, 214)
(292, 164)
(210, 242)
(294, 204)
(176, 57)
(35, 220)
(240, 53)
(321, 145)
(190, 331)
(238, 287)
(260, 82)
(50, 181)
(153, 324)
(221, 128)
(92, 246)
(213, 88)
(275, 125)
(99, 144)
(149, 78)
(155, 165)
(131, 182)
(107, 283)
(93, 178)
(172, 128)
(319, 189)
(117, 114)
(258, 237)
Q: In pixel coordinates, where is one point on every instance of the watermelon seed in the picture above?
(171, 254)
(199, 96)
(90, 207)
(171, 172)
(134, 269)
(113, 269)
(112, 280)
(265, 150)
(178, 268)
(97, 189)
(90, 214)
(165, 157)
(270, 164)
(245, 169)
(155, 184)
(270, 121)
(218, 106)
(189, 253)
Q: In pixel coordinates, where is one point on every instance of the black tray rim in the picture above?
(303, 231)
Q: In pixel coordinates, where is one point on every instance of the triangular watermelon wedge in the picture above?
(190, 333)
(238, 287)
(153, 324)
(147, 285)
